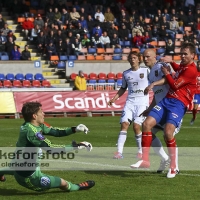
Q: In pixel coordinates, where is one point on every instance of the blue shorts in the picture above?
(196, 99)
(169, 110)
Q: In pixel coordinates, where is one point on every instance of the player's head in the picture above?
(198, 65)
(32, 111)
(188, 51)
(149, 57)
(134, 58)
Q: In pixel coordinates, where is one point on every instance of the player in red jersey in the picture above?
(172, 108)
(196, 100)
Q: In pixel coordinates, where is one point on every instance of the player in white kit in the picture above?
(136, 80)
(159, 93)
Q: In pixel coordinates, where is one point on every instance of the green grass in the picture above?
(144, 185)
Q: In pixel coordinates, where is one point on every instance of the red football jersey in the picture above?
(184, 83)
(198, 84)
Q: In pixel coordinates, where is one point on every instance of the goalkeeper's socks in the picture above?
(121, 140)
(72, 187)
(138, 139)
(146, 143)
(171, 145)
(158, 148)
(194, 113)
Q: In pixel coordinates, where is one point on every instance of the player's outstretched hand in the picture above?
(149, 88)
(82, 128)
(82, 145)
(110, 102)
(166, 59)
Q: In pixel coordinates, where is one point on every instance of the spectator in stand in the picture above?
(151, 10)
(141, 21)
(174, 14)
(77, 47)
(80, 81)
(115, 41)
(146, 40)
(124, 16)
(130, 25)
(156, 22)
(188, 37)
(41, 43)
(87, 7)
(159, 15)
(164, 23)
(198, 27)
(123, 33)
(77, 6)
(85, 42)
(5, 30)
(82, 13)
(109, 17)
(9, 46)
(91, 24)
(182, 20)
(57, 17)
(27, 26)
(80, 30)
(95, 41)
(3, 40)
(46, 29)
(100, 14)
(197, 13)
(69, 29)
(155, 33)
(137, 28)
(60, 47)
(67, 45)
(74, 15)
(2, 22)
(50, 15)
(169, 47)
(174, 27)
(71, 37)
(84, 23)
(16, 9)
(59, 35)
(138, 40)
(166, 14)
(10, 34)
(98, 29)
(113, 30)
(134, 15)
(191, 20)
(39, 21)
(65, 17)
(53, 28)
(163, 35)
(26, 54)
(50, 4)
(51, 50)
(51, 37)
(34, 34)
(15, 53)
(105, 40)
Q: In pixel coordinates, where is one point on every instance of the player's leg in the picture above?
(196, 103)
(125, 121)
(5, 171)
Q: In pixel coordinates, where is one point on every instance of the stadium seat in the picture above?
(117, 57)
(119, 75)
(177, 50)
(72, 57)
(90, 87)
(102, 76)
(54, 58)
(126, 50)
(111, 81)
(147, 20)
(20, 19)
(187, 28)
(63, 58)
(2, 77)
(4, 57)
(46, 83)
(135, 49)
(84, 50)
(127, 44)
(154, 43)
(158, 57)
(161, 44)
(101, 84)
(117, 51)
(29, 76)
(178, 43)
(86, 76)
(179, 36)
(100, 51)
(10, 77)
(124, 57)
(17, 83)
(36, 83)
(109, 50)
(92, 50)
(110, 85)
(93, 76)
(107, 57)
(19, 76)
(119, 83)
(61, 65)
(39, 77)
(92, 81)
(160, 51)
(90, 57)
(81, 57)
(101, 81)
(98, 57)
(111, 75)
(121, 43)
(142, 50)
(1, 85)
(7, 84)
(26, 83)
(176, 57)
(73, 76)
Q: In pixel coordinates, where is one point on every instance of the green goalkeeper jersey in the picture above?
(32, 138)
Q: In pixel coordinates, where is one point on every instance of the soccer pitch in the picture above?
(114, 178)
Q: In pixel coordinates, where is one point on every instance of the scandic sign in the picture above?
(71, 101)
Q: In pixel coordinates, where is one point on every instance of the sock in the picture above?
(158, 148)
(138, 139)
(121, 140)
(177, 158)
(194, 113)
(146, 143)
(171, 145)
(72, 187)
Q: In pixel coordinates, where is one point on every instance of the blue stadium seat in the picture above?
(111, 81)
(10, 77)
(121, 43)
(160, 51)
(29, 77)
(117, 57)
(19, 77)
(127, 44)
(158, 57)
(119, 82)
(63, 58)
(101, 81)
(4, 57)
(92, 50)
(92, 81)
(142, 50)
(39, 77)
(117, 50)
(61, 65)
(2, 77)
(72, 57)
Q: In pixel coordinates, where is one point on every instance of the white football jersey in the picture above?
(136, 82)
(155, 75)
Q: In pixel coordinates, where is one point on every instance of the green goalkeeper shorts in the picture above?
(38, 181)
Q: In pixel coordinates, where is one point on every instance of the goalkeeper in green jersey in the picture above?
(33, 136)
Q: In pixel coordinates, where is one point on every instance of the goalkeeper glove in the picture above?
(83, 128)
(82, 145)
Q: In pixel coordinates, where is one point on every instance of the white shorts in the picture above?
(131, 113)
(158, 127)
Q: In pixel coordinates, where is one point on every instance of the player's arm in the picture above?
(168, 59)
(174, 65)
(146, 112)
(120, 92)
